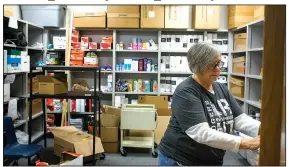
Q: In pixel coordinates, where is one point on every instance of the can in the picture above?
(135, 85)
(140, 85)
(130, 85)
(147, 86)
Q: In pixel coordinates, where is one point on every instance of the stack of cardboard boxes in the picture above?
(239, 15)
(109, 132)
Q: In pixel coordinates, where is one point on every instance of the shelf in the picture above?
(254, 103)
(106, 71)
(136, 72)
(239, 75)
(16, 72)
(255, 50)
(68, 95)
(136, 93)
(37, 71)
(255, 76)
(140, 142)
(126, 50)
(53, 112)
(34, 26)
(22, 21)
(81, 113)
(238, 98)
(178, 73)
(239, 51)
(98, 50)
(175, 51)
(56, 50)
(166, 93)
(224, 73)
(68, 68)
(34, 48)
(36, 136)
(18, 123)
(14, 46)
(36, 115)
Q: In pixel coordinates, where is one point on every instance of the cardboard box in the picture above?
(35, 85)
(237, 87)
(107, 134)
(160, 102)
(36, 107)
(76, 62)
(89, 20)
(239, 15)
(75, 33)
(50, 85)
(67, 159)
(259, 12)
(93, 45)
(84, 42)
(206, 17)
(108, 120)
(71, 139)
(74, 39)
(163, 122)
(90, 60)
(152, 16)
(177, 16)
(111, 110)
(239, 65)
(240, 41)
(123, 16)
(9, 10)
(111, 147)
(75, 45)
(6, 92)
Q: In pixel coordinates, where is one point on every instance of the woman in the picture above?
(204, 115)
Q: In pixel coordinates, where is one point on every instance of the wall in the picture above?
(17, 11)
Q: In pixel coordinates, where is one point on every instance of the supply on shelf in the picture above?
(137, 85)
(144, 64)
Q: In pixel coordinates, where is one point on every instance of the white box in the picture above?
(5, 70)
(214, 36)
(190, 41)
(11, 65)
(90, 60)
(163, 84)
(163, 42)
(118, 100)
(209, 36)
(6, 92)
(224, 59)
(25, 62)
(185, 42)
(173, 41)
(163, 64)
(180, 64)
(179, 41)
(225, 45)
(169, 41)
(109, 78)
(201, 38)
(174, 83)
(222, 79)
(167, 61)
(172, 63)
(168, 84)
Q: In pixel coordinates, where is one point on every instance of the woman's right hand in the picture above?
(251, 144)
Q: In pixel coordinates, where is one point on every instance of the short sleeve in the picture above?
(235, 107)
(188, 109)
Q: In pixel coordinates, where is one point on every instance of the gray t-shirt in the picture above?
(192, 104)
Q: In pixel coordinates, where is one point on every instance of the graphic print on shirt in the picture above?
(220, 120)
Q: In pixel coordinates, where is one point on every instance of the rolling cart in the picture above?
(138, 117)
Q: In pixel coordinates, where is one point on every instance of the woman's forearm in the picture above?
(203, 134)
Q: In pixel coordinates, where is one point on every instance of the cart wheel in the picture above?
(123, 152)
(102, 156)
(156, 145)
(155, 154)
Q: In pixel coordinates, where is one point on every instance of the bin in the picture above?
(46, 16)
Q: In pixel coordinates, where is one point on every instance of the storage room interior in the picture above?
(78, 75)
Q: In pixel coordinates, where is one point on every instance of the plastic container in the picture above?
(46, 16)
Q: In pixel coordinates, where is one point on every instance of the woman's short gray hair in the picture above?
(201, 55)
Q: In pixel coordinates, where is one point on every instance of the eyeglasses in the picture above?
(219, 64)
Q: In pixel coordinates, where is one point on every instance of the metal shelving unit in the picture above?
(18, 89)
(96, 95)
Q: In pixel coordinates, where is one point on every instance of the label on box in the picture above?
(151, 14)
